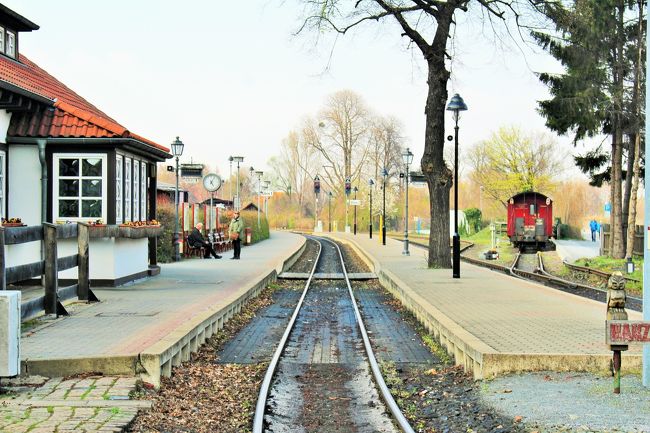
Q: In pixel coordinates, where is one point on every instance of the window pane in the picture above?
(68, 167)
(68, 208)
(2, 39)
(118, 189)
(91, 208)
(69, 188)
(11, 44)
(91, 188)
(92, 167)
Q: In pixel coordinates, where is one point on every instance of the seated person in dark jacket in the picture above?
(196, 240)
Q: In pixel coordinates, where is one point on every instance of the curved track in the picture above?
(294, 332)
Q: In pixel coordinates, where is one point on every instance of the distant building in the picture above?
(167, 191)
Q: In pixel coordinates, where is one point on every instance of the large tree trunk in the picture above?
(438, 175)
(636, 142)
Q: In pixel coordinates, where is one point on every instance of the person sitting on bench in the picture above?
(196, 240)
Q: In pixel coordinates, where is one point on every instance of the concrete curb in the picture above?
(158, 359)
(473, 354)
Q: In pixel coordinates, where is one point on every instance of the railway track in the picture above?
(531, 267)
(320, 302)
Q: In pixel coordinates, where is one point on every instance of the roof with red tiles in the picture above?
(73, 116)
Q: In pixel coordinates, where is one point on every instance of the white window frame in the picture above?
(3, 183)
(2, 40)
(136, 190)
(119, 189)
(143, 190)
(127, 189)
(11, 44)
(55, 185)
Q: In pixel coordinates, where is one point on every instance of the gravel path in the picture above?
(562, 402)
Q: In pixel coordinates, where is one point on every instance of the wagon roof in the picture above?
(516, 197)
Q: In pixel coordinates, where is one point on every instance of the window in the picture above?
(3, 184)
(2, 40)
(136, 190)
(11, 44)
(119, 167)
(127, 189)
(79, 191)
(143, 190)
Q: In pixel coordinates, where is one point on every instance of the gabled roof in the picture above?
(72, 116)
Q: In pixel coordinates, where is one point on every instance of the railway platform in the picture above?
(493, 323)
(146, 327)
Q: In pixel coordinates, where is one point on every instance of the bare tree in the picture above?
(341, 137)
(428, 25)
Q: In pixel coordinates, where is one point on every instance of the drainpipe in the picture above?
(41, 142)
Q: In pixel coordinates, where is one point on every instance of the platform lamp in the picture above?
(267, 190)
(230, 181)
(259, 192)
(456, 105)
(238, 160)
(371, 184)
(384, 175)
(316, 194)
(407, 157)
(329, 195)
(177, 151)
(355, 189)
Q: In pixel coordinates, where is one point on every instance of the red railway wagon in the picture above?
(530, 220)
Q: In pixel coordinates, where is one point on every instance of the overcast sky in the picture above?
(229, 77)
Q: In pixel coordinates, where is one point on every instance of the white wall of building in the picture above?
(4, 125)
(23, 196)
(109, 258)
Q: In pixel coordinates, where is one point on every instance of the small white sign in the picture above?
(267, 194)
(355, 202)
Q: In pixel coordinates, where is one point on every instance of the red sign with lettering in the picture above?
(627, 331)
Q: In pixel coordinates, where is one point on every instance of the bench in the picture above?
(190, 251)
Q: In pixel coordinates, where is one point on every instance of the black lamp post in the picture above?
(329, 194)
(316, 194)
(371, 184)
(407, 156)
(384, 175)
(238, 160)
(177, 151)
(230, 158)
(355, 210)
(456, 105)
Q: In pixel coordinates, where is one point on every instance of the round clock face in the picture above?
(212, 182)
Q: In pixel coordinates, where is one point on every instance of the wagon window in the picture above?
(533, 209)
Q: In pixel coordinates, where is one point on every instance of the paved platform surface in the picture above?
(132, 317)
(495, 314)
(572, 250)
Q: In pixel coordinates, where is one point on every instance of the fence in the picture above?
(605, 236)
(48, 268)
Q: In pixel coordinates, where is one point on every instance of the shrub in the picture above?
(165, 216)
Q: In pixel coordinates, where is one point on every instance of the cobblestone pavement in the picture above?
(90, 404)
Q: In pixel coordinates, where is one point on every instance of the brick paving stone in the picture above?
(106, 381)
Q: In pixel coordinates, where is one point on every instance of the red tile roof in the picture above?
(73, 116)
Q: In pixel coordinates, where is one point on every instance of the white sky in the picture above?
(229, 77)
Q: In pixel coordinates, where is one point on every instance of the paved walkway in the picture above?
(92, 404)
(491, 317)
(572, 250)
(133, 317)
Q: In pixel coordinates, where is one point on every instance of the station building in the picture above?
(63, 160)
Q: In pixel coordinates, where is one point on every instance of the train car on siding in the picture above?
(530, 220)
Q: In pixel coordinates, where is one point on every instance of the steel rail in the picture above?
(597, 272)
(398, 416)
(260, 407)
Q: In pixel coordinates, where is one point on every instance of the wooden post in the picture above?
(617, 371)
(83, 268)
(153, 193)
(3, 262)
(51, 273)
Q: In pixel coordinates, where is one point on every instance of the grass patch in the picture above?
(608, 264)
(115, 411)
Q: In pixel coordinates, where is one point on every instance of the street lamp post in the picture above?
(345, 197)
(238, 160)
(407, 156)
(177, 151)
(316, 194)
(230, 181)
(384, 175)
(259, 192)
(456, 105)
(355, 210)
(329, 194)
(371, 183)
(267, 190)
